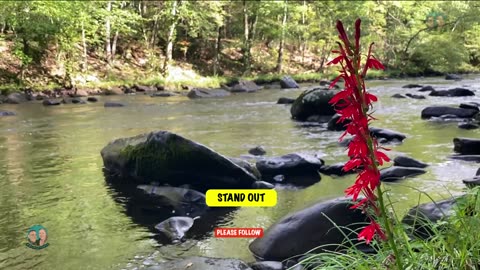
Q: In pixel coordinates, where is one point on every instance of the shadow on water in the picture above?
(147, 210)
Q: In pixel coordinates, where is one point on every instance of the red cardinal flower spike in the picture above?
(353, 104)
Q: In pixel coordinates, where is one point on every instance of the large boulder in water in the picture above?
(455, 92)
(405, 161)
(202, 263)
(438, 111)
(168, 158)
(323, 226)
(312, 102)
(245, 86)
(288, 82)
(466, 146)
(387, 134)
(297, 169)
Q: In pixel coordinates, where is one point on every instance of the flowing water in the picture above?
(51, 169)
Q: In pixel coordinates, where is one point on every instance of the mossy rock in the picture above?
(313, 102)
(168, 158)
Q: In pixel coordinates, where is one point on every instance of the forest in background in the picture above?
(198, 42)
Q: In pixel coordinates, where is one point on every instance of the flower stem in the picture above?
(388, 228)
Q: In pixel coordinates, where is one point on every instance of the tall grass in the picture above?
(453, 243)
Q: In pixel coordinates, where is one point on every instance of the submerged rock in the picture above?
(404, 161)
(92, 99)
(466, 146)
(395, 173)
(455, 92)
(7, 113)
(207, 93)
(438, 111)
(312, 102)
(51, 102)
(175, 228)
(267, 265)
(454, 77)
(415, 96)
(310, 228)
(284, 100)
(202, 263)
(468, 126)
(288, 82)
(168, 158)
(113, 104)
(412, 85)
(398, 96)
(162, 94)
(297, 169)
(472, 182)
(426, 89)
(474, 158)
(183, 200)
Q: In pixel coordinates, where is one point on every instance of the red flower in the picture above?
(353, 104)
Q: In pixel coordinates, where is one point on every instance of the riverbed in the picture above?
(51, 168)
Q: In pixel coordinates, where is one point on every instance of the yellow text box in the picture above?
(241, 197)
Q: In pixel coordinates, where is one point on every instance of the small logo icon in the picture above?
(37, 237)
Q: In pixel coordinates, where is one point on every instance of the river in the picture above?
(51, 169)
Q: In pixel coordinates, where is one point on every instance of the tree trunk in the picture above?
(84, 45)
(108, 47)
(171, 38)
(303, 39)
(114, 44)
(217, 51)
(246, 40)
(282, 39)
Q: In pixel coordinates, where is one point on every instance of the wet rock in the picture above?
(333, 124)
(472, 182)
(415, 96)
(175, 228)
(470, 105)
(257, 151)
(183, 201)
(310, 228)
(16, 98)
(168, 158)
(404, 161)
(202, 263)
(412, 85)
(312, 102)
(474, 158)
(262, 185)
(478, 172)
(113, 91)
(51, 102)
(422, 217)
(207, 93)
(267, 265)
(92, 99)
(245, 86)
(426, 89)
(6, 113)
(67, 100)
(466, 146)
(387, 134)
(335, 169)
(453, 77)
(398, 96)
(288, 82)
(395, 173)
(298, 169)
(318, 118)
(438, 111)
(113, 104)
(144, 88)
(468, 126)
(162, 94)
(284, 100)
(455, 92)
